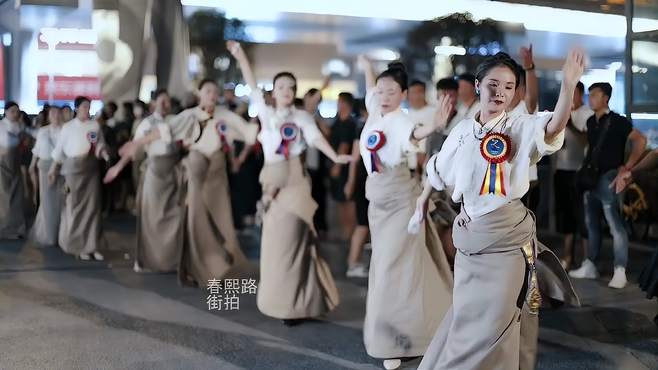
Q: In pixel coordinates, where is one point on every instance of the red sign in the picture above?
(2, 73)
(68, 88)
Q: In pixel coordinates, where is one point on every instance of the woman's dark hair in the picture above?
(11, 104)
(501, 59)
(286, 74)
(79, 100)
(398, 73)
(206, 81)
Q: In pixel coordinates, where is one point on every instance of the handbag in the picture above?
(587, 177)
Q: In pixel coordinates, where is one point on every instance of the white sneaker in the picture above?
(85, 257)
(392, 364)
(619, 278)
(136, 267)
(98, 256)
(357, 271)
(586, 271)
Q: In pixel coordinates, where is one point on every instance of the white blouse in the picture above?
(460, 168)
(204, 134)
(9, 133)
(162, 146)
(397, 128)
(46, 139)
(75, 140)
(272, 120)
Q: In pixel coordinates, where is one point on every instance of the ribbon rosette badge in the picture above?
(376, 140)
(221, 128)
(496, 149)
(92, 137)
(288, 135)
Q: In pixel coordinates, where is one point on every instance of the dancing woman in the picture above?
(295, 282)
(12, 220)
(410, 281)
(485, 163)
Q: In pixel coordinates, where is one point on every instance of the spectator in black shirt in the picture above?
(343, 133)
(603, 199)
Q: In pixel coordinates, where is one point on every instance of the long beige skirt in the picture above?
(12, 216)
(81, 231)
(45, 230)
(410, 282)
(482, 328)
(160, 221)
(295, 282)
(210, 249)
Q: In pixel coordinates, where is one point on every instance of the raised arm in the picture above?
(573, 69)
(238, 53)
(531, 83)
(366, 66)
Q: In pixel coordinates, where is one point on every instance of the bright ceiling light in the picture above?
(538, 18)
(383, 54)
(450, 50)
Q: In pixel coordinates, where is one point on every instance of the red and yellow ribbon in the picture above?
(496, 149)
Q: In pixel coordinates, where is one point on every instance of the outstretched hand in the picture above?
(526, 56)
(574, 66)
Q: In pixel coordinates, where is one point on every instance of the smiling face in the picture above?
(284, 91)
(390, 94)
(497, 90)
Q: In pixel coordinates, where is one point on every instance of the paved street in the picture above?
(59, 313)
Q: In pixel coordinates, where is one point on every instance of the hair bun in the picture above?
(397, 65)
